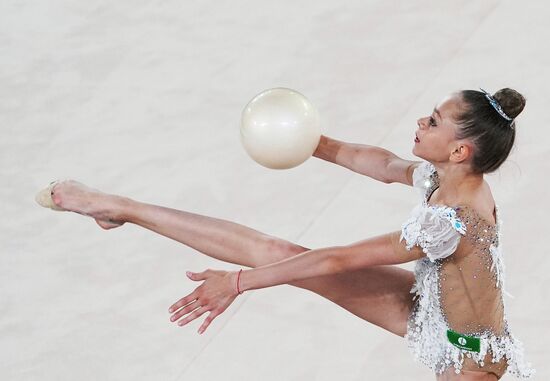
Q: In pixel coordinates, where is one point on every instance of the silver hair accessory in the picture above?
(496, 105)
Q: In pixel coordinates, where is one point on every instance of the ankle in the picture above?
(122, 209)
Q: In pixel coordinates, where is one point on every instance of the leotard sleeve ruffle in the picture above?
(436, 229)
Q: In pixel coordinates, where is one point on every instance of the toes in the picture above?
(55, 196)
(46, 199)
(59, 191)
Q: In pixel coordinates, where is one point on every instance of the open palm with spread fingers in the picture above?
(215, 294)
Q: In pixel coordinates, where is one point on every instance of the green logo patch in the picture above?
(468, 343)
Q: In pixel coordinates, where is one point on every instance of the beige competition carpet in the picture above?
(144, 98)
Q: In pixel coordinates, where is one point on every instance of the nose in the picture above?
(421, 123)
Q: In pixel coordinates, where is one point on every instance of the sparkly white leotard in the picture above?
(458, 287)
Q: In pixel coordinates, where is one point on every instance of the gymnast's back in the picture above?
(471, 285)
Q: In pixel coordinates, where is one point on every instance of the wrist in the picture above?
(122, 208)
(126, 209)
(237, 285)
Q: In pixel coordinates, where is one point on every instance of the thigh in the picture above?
(379, 294)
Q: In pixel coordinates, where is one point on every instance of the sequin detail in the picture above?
(444, 300)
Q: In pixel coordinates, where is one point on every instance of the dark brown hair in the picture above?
(492, 134)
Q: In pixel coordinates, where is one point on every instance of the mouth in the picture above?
(416, 140)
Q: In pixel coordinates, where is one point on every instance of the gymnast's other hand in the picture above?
(215, 294)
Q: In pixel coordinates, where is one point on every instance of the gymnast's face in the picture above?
(435, 139)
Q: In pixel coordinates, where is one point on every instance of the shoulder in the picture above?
(480, 205)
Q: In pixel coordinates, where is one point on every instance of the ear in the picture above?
(462, 151)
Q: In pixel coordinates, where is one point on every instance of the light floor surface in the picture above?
(144, 98)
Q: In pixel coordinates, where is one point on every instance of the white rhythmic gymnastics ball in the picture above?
(280, 128)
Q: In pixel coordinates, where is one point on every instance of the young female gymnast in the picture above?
(450, 309)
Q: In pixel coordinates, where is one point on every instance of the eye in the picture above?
(432, 121)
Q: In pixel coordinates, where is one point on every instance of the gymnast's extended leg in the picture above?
(379, 294)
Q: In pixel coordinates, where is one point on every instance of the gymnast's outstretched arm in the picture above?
(386, 249)
(375, 162)
(220, 288)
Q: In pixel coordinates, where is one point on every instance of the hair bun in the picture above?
(511, 101)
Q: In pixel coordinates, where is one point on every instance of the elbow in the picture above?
(385, 176)
(338, 262)
(335, 265)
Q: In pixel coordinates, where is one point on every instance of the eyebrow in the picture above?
(437, 112)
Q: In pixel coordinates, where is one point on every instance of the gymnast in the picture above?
(450, 309)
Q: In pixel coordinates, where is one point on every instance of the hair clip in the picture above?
(496, 105)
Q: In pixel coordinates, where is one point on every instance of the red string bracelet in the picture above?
(238, 279)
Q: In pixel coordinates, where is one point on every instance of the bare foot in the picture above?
(76, 197)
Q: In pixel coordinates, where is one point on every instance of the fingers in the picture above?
(183, 301)
(211, 316)
(198, 276)
(184, 311)
(197, 313)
